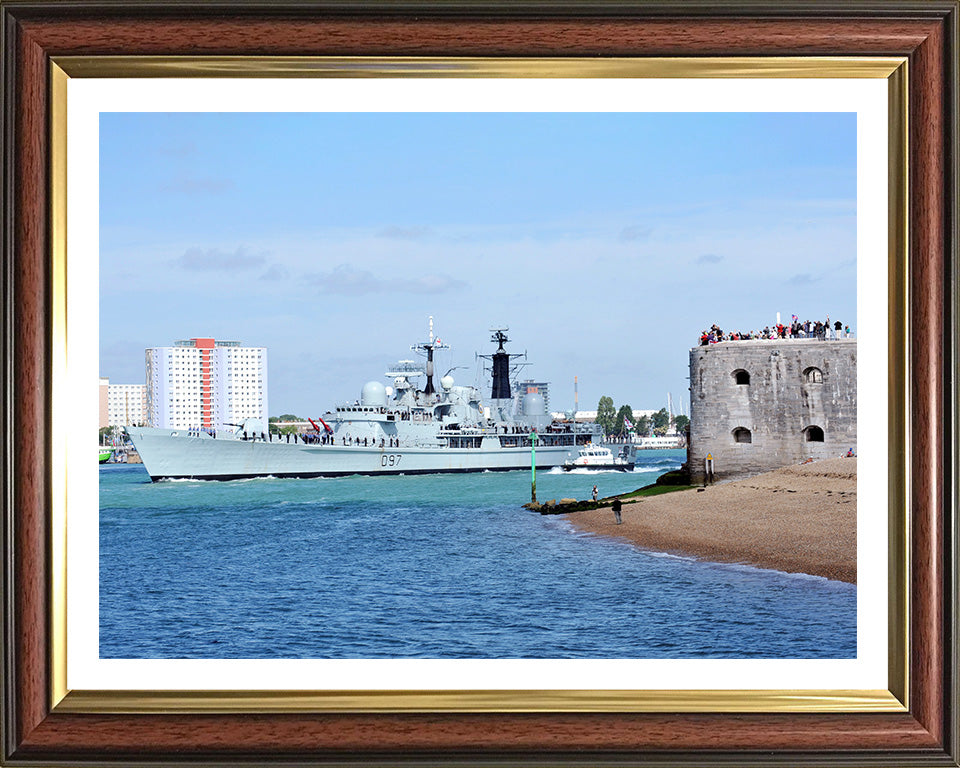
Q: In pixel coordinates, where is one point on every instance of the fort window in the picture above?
(813, 434)
(813, 376)
(743, 435)
(741, 377)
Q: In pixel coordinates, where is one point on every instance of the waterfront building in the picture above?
(759, 405)
(126, 404)
(203, 383)
(591, 416)
(583, 417)
(104, 418)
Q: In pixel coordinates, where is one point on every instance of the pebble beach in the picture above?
(798, 519)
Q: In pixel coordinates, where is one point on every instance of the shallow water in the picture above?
(429, 566)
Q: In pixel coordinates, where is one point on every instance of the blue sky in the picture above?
(606, 242)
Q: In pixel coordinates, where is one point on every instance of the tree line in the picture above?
(615, 422)
(276, 429)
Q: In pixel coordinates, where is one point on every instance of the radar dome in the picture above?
(533, 404)
(373, 394)
(446, 382)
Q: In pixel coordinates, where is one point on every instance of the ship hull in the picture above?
(171, 454)
(599, 467)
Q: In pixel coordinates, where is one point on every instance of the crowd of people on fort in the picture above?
(817, 330)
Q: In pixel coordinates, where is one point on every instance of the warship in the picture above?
(396, 429)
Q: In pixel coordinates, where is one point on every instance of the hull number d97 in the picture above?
(390, 460)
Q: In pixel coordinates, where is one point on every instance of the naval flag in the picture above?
(627, 423)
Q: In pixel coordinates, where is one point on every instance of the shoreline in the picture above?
(797, 519)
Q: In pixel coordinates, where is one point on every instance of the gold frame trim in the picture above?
(893, 69)
(383, 702)
(430, 66)
(898, 382)
(59, 407)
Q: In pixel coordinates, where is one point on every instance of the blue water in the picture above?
(445, 566)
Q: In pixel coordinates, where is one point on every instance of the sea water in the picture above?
(428, 566)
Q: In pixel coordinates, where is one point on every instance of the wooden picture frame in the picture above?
(36, 34)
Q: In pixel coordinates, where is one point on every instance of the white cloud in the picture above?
(635, 232)
(404, 233)
(709, 258)
(214, 260)
(195, 186)
(347, 280)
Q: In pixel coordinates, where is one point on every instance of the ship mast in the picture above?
(501, 365)
(501, 369)
(428, 347)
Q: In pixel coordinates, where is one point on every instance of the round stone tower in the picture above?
(759, 405)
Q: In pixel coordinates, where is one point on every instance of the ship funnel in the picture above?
(501, 376)
(501, 367)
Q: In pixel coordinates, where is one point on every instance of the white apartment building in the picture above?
(204, 383)
(104, 418)
(126, 404)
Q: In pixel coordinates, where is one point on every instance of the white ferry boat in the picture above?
(599, 458)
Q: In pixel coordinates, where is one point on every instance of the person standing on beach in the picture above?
(617, 506)
(595, 493)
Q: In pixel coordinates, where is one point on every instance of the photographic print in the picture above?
(618, 316)
(500, 385)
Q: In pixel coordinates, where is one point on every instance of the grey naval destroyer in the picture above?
(390, 430)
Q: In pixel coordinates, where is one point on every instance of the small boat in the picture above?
(105, 454)
(595, 457)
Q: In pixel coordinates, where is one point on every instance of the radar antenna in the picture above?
(500, 336)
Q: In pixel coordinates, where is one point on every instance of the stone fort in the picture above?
(763, 404)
